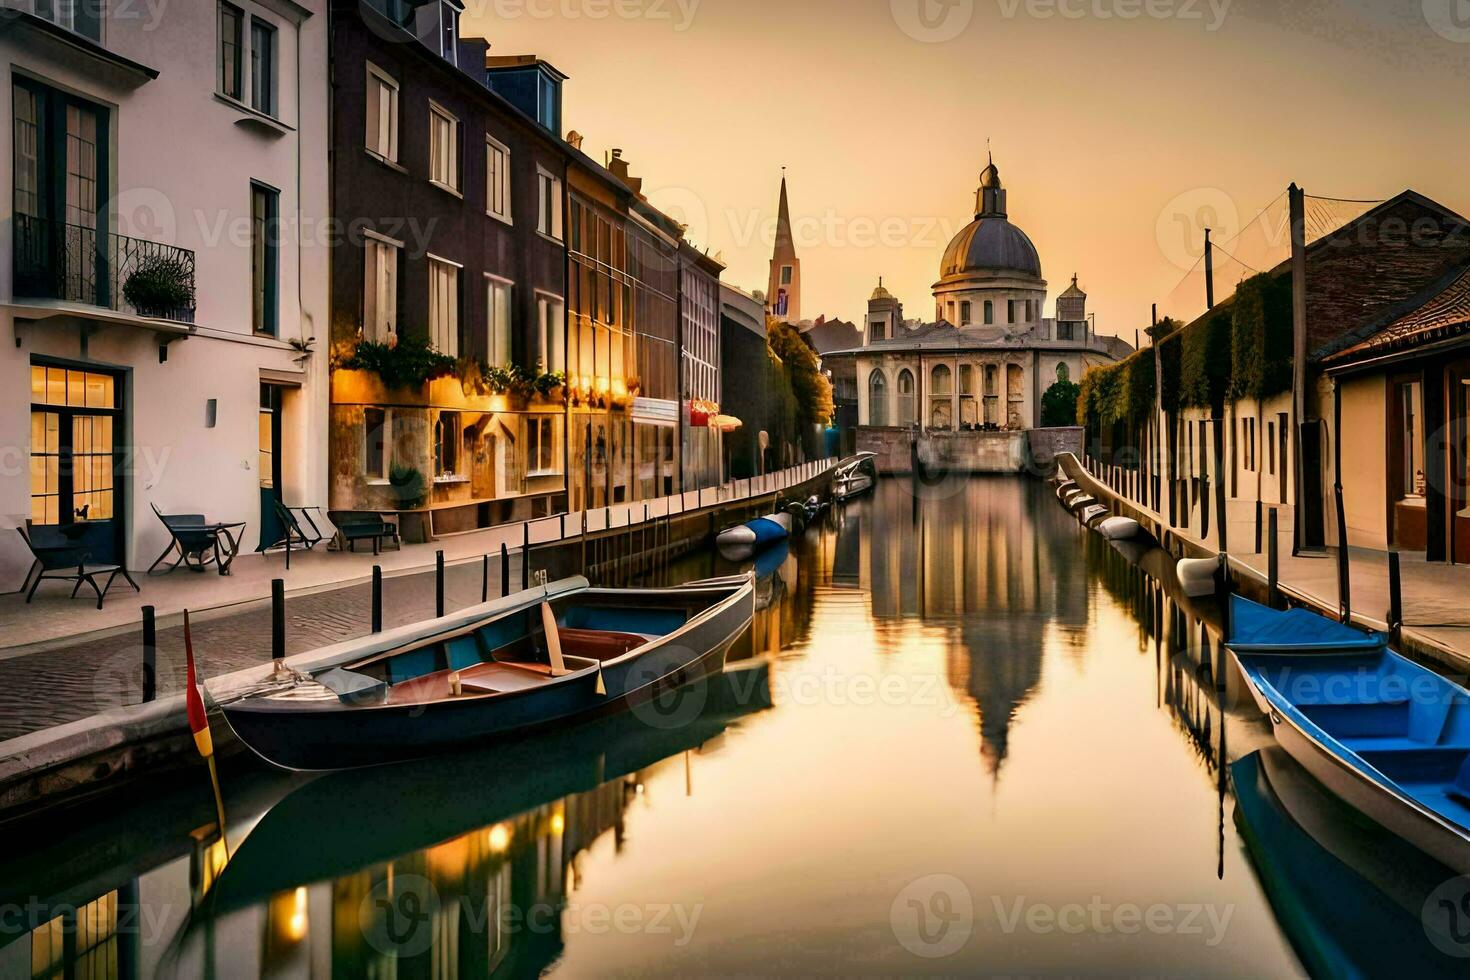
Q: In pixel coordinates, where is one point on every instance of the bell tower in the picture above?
(784, 296)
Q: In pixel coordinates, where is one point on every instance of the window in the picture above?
(548, 218)
(989, 312)
(1066, 331)
(965, 313)
(907, 410)
(380, 289)
(875, 330)
(231, 51)
(446, 445)
(444, 306)
(378, 447)
(382, 114)
(542, 457)
(264, 257)
(1010, 311)
(82, 17)
(877, 399)
(443, 148)
(497, 180)
(72, 452)
(1271, 447)
(262, 66)
(786, 273)
(551, 316)
(498, 321)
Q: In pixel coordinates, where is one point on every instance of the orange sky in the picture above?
(1120, 126)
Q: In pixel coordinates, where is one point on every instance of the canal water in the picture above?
(964, 736)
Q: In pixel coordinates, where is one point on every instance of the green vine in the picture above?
(1204, 378)
(1261, 342)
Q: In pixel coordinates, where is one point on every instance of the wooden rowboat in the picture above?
(1387, 736)
(546, 658)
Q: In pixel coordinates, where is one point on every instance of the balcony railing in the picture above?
(76, 264)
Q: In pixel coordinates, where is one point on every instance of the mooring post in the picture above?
(150, 655)
(505, 569)
(278, 619)
(1395, 595)
(1259, 515)
(439, 585)
(1225, 624)
(1273, 556)
(377, 622)
(526, 557)
(1344, 571)
(485, 580)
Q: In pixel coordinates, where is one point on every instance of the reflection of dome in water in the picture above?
(1004, 672)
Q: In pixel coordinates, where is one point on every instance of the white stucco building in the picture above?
(164, 268)
(983, 366)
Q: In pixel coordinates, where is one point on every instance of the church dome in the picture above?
(991, 243)
(880, 293)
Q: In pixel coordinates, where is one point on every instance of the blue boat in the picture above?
(757, 534)
(1349, 895)
(1387, 736)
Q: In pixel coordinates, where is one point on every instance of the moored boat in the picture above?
(1387, 736)
(759, 533)
(1198, 577)
(855, 476)
(545, 658)
(1120, 529)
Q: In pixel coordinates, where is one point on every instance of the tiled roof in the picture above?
(1367, 269)
(1446, 313)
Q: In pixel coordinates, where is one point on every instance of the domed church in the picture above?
(970, 383)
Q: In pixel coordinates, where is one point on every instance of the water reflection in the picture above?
(1061, 732)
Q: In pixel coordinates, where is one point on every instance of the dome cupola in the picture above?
(990, 243)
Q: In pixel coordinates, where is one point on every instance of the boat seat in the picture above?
(599, 645)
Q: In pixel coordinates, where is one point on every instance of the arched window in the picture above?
(989, 312)
(877, 399)
(940, 380)
(907, 410)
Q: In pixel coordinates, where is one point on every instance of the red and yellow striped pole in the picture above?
(199, 725)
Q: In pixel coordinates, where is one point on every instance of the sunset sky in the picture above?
(1118, 134)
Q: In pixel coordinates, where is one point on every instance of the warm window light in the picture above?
(498, 838)
(297, 922)
(558, 824)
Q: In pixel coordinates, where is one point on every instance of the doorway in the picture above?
(272, 531)
(75, 420)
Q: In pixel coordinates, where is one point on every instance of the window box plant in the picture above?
(162, 287)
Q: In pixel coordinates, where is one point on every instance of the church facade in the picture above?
(966, 388)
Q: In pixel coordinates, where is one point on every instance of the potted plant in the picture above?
(410, 488)
(162, 286)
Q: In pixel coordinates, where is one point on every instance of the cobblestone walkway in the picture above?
(42, 690)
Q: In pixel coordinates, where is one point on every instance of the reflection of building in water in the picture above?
(996, 561)
(486, 903)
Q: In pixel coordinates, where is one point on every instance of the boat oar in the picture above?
(199, 725)
(553, 648)
(553, 641)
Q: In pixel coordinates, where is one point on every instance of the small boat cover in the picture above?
(1254, 627)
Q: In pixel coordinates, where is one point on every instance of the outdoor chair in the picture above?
(58, 558)
(301, 532)
(197, 543)
(354, 526)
